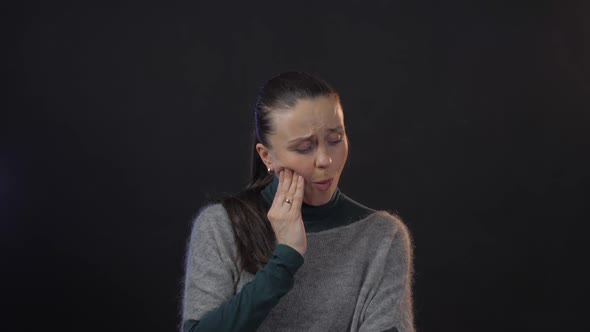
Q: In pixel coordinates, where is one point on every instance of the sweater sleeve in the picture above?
(390, 309)
(210, 302)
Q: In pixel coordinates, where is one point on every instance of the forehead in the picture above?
(308, 117)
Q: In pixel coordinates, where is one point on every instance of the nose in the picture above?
(323, 159)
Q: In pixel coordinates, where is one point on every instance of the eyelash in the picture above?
(309, 149)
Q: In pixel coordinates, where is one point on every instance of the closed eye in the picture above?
(303, 150)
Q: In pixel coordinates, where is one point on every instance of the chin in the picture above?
(320, 199)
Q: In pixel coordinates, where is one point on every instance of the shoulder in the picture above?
(390, 225)
(212, 234)
(211, 220)
(390, 219)
(211, 211)
(382, 221)
(351, 210)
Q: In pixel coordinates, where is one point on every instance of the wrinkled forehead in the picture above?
(308, 117)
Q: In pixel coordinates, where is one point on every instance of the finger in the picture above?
(281, 181)
(298, 196)
(288, 182)
(293, 188)
(279, 187)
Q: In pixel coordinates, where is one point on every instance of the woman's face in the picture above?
(309, 139)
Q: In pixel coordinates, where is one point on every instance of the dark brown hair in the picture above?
(255, 238)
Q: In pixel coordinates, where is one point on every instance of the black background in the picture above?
(468, 118)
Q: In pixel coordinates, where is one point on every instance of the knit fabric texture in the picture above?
(356, 277)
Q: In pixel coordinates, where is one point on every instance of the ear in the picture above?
(264, 154)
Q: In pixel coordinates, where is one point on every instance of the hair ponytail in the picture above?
(254, 236)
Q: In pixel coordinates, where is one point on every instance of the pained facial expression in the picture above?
(311, 140)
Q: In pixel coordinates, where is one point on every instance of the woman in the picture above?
(291, 252)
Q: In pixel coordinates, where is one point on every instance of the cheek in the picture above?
(306, 173)
(341, 155)
(300, 164)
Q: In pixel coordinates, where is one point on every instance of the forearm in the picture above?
(247, 309)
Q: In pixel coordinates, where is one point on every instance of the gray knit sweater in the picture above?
(355, 277)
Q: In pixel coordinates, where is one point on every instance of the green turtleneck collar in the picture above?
(339, 211)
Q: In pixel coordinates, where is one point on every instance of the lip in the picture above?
(323, 185)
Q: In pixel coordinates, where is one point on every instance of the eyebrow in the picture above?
(308, 137)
